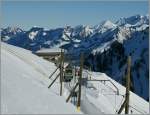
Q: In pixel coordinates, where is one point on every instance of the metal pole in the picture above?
(128, 86)
(80, 78)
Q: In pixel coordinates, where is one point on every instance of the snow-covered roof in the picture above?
(49, 50)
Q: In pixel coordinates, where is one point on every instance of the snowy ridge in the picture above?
(136, 20)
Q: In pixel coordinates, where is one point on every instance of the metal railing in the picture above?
(117, 90)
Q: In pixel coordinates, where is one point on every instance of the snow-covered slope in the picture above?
(108, 100)
(24, 81)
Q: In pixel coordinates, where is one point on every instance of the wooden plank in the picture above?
(70, 95)
(54, 80)
(53, 73)
(122, 106)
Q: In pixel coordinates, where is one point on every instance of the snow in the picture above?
(105, 25)
(32, 76)
(24, 84)
(6, 38)
(102, 47)
(77, 41)
(108, 24)
(142, 27)
(65, 36)
(32, 35)
(24, 88)
(82, 31)
(86, 31)
(123, 34)
(44, 33)
(137, 104)
(135, 20)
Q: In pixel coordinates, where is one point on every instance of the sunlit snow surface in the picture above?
(24, 84)
(24, 89)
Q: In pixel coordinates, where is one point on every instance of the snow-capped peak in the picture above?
(82, 31)
(88, 28)
(106, 24)
(86, 31)
(13, 30)
(135, 20)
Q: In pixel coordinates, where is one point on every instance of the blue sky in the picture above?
(50, 14)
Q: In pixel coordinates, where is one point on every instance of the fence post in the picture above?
(80, 78)
(61, 71)
(126, 102)
(128, 85)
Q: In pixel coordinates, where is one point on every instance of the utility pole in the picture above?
(80, 80)
(128, 85)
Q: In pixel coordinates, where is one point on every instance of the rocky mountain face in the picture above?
(106, 46)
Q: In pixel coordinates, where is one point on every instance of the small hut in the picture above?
(51, 54)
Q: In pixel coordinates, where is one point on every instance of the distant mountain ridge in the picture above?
(38, 37)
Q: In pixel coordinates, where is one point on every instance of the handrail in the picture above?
(108, 81)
